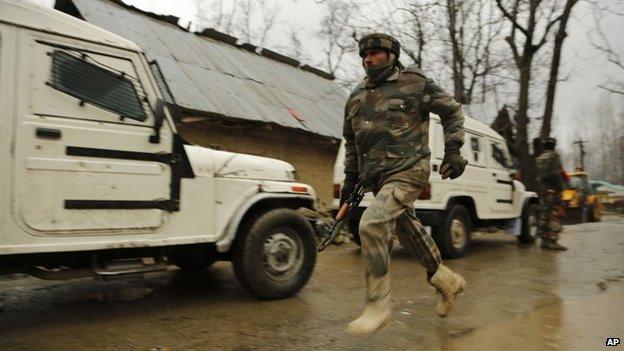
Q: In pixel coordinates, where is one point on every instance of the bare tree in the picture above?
(415, 33)
(295, 46)
(554, 67)
(603, 146)
(268, 16)
(337, 33)
(428, 30)
(216, 14)
(530, 23)
(472, 33)
(600, 41)
(410, 22)
(252, 21)
(245, 9)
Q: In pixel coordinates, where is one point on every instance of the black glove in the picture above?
(348, 186)
(453, 164)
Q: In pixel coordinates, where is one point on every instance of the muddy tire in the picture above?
(275, 256)
(353, 224)
(529, 229)
(453, 235)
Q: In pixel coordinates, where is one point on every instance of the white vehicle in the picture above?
(96, 179)
(485, 196)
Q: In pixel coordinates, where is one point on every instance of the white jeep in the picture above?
(95, 179)
(484, 197)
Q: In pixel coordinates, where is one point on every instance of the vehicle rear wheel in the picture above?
(275, 257)
(529, 229)
(453, 236)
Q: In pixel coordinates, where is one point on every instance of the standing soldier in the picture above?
(550, 183)
(386, 129)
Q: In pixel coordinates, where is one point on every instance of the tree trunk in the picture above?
(524, 62)
(522, 122)
(554, 69)
(457, 62)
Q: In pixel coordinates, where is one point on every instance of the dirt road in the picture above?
(518, 298)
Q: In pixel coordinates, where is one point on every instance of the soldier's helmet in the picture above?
(549, 143)
(379, 41)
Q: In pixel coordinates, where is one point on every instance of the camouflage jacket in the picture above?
(548, 166)
(386, 128)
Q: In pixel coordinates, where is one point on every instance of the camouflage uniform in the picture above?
(386, 129)
(550, 185)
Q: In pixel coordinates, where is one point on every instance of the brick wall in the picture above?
(312, 156)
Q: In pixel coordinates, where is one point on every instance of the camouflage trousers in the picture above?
(392, 214)
(549, 218)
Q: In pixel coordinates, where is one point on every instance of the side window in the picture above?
(500, 156)
(83, 78)
(475, 148)
(91, 83)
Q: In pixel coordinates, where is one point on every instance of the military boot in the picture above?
(377, 314)
(449, 284)
(549, 244)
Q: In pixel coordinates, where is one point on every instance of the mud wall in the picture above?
(312, 156)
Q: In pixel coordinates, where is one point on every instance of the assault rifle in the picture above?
(352, 202)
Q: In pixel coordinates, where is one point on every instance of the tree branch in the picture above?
(621, 92)
(547, 30)
(511, 18)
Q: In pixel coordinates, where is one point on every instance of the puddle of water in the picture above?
(582, 324)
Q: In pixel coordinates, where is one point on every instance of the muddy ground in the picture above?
(518, 298)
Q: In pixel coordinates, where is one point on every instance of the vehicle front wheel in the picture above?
(275, 256)
(453, 235)
(529, 230)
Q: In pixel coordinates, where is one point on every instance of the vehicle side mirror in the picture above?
(159, 117)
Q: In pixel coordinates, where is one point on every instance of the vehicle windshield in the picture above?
(500, 156)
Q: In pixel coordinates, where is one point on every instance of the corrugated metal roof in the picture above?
(217, 76)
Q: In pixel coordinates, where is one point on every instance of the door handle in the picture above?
(494, 174)
(48, 133)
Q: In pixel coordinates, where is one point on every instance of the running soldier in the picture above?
(386, 129)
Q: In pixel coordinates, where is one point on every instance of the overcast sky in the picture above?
(576, 98)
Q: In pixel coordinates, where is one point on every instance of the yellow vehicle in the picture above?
(580, 201)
